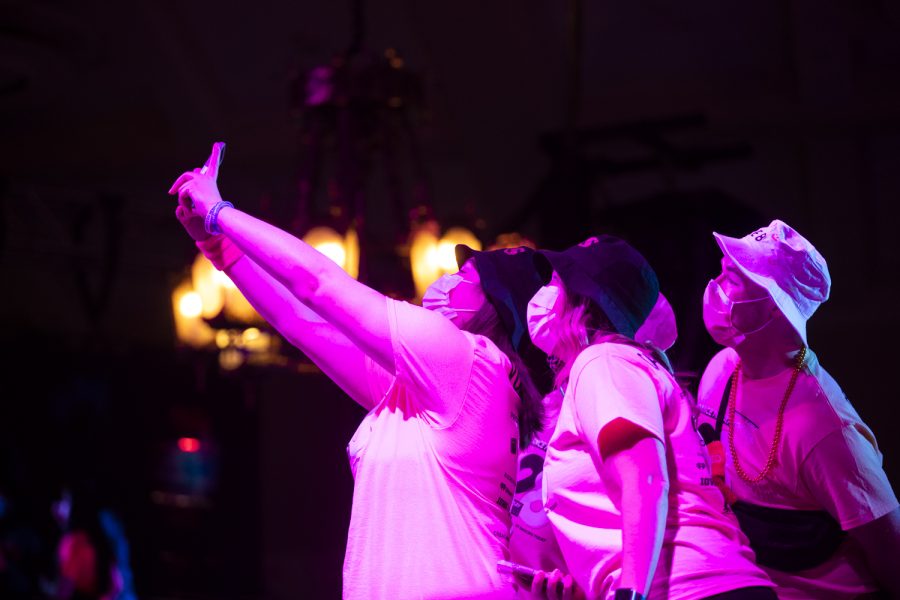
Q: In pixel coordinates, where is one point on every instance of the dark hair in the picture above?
(487, 322)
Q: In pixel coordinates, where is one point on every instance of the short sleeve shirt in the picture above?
(828, 460)
(703, 552)
(431, 499)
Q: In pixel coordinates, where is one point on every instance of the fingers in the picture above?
(214, 161)
(184, 198)
(539, 582)
(568, 585)
(184, 178)
(554, 585)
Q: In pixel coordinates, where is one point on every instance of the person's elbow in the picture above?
(308, 285)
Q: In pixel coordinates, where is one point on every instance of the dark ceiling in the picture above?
(104, 104)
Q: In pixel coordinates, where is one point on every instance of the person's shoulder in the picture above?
(615, 355)
(487, 351)
(723, 360)
(823, 400)
(720, 365)
(815, 377)
(604, 352)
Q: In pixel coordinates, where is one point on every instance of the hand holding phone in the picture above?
(524, 574)
(551, 586)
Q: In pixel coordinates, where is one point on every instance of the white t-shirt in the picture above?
(531, 539)
(828, 460)
(431, 498)
(703, 553)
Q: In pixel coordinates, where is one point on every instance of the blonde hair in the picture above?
(581, 324)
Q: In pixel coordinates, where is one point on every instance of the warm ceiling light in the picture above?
(343, 250)
(431, 256)
(207, 283)
(187, 308)
(190, 305)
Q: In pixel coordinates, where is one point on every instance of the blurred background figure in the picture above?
(92, 554)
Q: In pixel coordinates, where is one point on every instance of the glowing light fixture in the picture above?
(431, 256)
(343, 250)
(208, 286)
(187, 308)
(190, 305)
(511, 240)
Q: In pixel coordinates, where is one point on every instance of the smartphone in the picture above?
(206, 165)
(522, 573)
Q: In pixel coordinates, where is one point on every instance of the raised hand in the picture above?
(197, 190)
(192, 222)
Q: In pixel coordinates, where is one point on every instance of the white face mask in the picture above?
(543, 312)
(437, 296)
(718, 316)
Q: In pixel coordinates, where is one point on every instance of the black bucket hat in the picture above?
(609, 272)
(510, 279)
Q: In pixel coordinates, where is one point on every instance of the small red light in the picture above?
(187, 444)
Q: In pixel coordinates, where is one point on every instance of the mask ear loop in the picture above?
(767, 322)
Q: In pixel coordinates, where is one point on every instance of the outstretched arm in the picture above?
(327, 347)
(357, 311)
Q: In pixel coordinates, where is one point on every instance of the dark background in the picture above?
(659, 121)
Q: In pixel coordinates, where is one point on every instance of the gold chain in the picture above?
(779, 423)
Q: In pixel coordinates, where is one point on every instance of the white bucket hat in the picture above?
(659, 329)
(784, 263)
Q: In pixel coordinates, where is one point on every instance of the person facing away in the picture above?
(802, 471)
(531, 540)
(434, 459)
(626, 481)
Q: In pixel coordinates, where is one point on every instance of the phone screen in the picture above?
(523, 574)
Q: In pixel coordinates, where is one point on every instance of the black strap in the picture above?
(720, 418)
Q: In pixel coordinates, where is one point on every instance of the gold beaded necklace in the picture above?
(779, 423)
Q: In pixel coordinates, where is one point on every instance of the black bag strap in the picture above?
(720, 418)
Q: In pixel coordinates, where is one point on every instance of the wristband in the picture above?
(628, 594)
(220, 251)
(211, 222)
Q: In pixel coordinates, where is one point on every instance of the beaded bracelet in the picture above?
(211, 223)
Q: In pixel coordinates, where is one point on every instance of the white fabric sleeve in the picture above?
(610, 384)
(843, 473)
(378, 382)
(431, 355)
